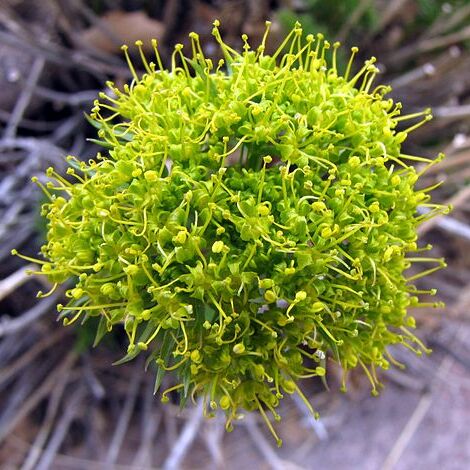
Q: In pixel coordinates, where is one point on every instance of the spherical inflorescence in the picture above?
(249, 220)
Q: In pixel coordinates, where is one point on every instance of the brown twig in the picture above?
(213, 439)
(66, 128)
(61, 428)
(442, 26)
(261, 443)
(408, 432)
(51, 412)
(12, 346)
(317, 425)
(65, 57)
(452, 112)
(427, 45)
(169, 419)
(149, 427)
(11, 215)
(25, 98)
(29, 124)
(405, 79)
(72, 99)
(39, 393)
(30, 355)
(448, 223)
(415, 420)
(23, 387)
(22, 233)
(22, 171)
(15, 280)
(95, 386)
(185, 439)
(125, 415)
(49, 151)
(405, 380)
(9, 326)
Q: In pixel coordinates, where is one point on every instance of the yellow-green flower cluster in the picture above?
(249, 220)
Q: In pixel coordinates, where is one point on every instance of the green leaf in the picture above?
(209, 313)
(101, 331)
(303, 259)
(149, 329)
(165, 352)
(102, 143)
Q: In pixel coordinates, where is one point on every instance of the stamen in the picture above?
(268, 422)
(139, 44)
(354, 51)
(125, 49)
(157, 54)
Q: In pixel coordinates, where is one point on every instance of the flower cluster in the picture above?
(248, 220)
